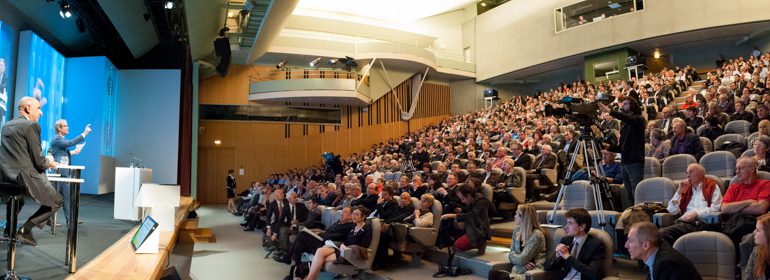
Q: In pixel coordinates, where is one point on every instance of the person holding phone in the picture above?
(60, 150)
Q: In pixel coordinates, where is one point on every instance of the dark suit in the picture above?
(387, 213)
(22, 162)
(523, 161)
(60, 150)
(588, 262)
(549, 161)
(276, 218)
(306, 243)
(690, 144)
(670, 264)
(299, 213)
(694, 123)
(368, 201)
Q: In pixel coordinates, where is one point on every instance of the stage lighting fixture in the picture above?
(280, 64)
(349, 62)
(315, 62)
(169, 5)
(332, 61)
(656, 54)
(65, 11)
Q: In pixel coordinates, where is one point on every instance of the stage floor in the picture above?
(97, 231)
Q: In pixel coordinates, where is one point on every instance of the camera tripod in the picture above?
(407, 167)
(597, 179)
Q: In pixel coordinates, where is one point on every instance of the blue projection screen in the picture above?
(6, 67)
(41, 75)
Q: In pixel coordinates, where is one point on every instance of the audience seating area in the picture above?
(482, 144)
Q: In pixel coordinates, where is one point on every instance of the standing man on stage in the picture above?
(22, 162)
(60, 149)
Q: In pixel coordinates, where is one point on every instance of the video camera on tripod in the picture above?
(577, 110)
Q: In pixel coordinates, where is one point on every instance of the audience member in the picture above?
(696, 198)
(579, 255)
(661, 261)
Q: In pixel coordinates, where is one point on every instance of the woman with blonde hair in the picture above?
(758, 266)
(527, 245)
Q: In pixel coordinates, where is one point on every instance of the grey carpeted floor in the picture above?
(96, 233)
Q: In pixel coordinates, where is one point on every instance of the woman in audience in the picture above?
(422, 217)
(711, 130)
(763, 129)
(760, 153)
(528, 243)
(434, 182)
(361, 235)
(758, 266)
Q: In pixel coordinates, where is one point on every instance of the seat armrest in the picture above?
(347, 254)
(539, 274)
(663, 219)
(424, 235)
(518, 194)
(550, 174)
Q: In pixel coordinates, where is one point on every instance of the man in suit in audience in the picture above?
(762, 114)
(578, 255)
(684, 142)
(694, 201)
(297, 214)
(693, 120)
(386, 210)
(546, 159)
(740, 112)
(277, 215)
(520, 159)
(666, 123)
(661, 262)
(368, 200)
(22, 162)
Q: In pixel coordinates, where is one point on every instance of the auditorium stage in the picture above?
(97, 231)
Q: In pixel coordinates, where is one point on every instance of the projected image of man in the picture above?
(22, 162)
(3, 92)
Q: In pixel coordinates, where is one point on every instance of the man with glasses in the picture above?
(519, 158)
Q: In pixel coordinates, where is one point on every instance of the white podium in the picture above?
(128, 180)
(162, 201)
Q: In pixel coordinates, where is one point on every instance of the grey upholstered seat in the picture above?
(708, 146)
(675, 166)
(552, 238)
(356, 266)
(712, 253)
(579, 194)
(732, 137)
(652, 167)
(424, 237)
(719, 163)
(738, 127)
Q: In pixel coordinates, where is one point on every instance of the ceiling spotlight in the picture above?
(483, 4)
(349, 62)
(65, 11)
(169, 5)
(656, 54)
(332, 61)
(315, 62)
(280, 64)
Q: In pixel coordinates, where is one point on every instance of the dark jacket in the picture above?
(313, 219)
(523, 161)
(386, 211)
(477, 220)
(22, 160)
(631, 146)
(588, 262)
(670, 264)
(60, 149)
(368, 201)
(302, 212)
(277, 219)
(338, 231)
(361, 238)
(548, 162)
(690, 144)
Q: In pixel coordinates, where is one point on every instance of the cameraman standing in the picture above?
(631, 142)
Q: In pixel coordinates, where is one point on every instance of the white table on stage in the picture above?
(128, 181)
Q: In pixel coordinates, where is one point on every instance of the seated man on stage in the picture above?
(22, 162)
(60, 150)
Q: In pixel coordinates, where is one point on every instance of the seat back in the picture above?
(327, 216)
(708, 146)
(647, 148)
(579, 194)
(738, 127)
(487, 190)
(732, 137)
(522, 175)
(763, 175)
(553, 235)
(479, 173)
(675, 166)
(495, 176)
(659, 189)
(652, 167)
(719, 181)
(712, 254)
(719, 163)
(462, 176)
(605, 238)
(700, 129)
(748, 153)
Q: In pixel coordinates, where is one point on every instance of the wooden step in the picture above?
(198, 235)
(500, 241)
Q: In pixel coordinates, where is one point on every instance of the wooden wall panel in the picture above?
(262, 149)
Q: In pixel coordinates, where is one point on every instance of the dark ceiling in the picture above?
(101, 38)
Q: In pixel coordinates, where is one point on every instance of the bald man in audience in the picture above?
(696, 198)
(661, 262)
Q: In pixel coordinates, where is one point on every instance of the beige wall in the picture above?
(508, 39)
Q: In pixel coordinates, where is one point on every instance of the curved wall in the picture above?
(508, 40)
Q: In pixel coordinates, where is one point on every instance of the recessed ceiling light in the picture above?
(217, 142)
